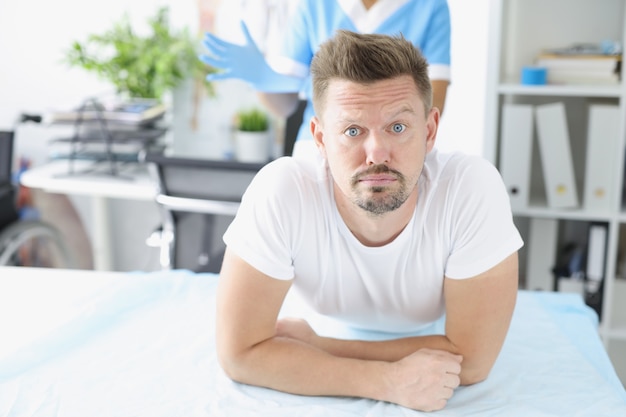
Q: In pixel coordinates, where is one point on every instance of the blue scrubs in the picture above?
(426, 23)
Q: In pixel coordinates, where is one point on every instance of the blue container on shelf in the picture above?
(532, 75)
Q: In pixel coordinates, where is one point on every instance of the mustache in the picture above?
(376, 169)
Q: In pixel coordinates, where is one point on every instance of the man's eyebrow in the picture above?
(404, 109)
(344, 118)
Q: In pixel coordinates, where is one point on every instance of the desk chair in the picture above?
(198, 200)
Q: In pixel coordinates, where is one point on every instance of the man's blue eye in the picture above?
(398, 128)
(352, 131)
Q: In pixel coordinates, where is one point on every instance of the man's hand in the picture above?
(424, 380)
(245, 62)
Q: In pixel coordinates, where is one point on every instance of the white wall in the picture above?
(35, 33)
(463, 125)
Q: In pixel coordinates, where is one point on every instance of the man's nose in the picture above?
(377, 149)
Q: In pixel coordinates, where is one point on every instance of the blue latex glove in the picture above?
(246, 62)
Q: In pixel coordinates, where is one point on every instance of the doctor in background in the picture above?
(280, 73)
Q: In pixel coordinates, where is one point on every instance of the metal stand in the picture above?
(96, 128)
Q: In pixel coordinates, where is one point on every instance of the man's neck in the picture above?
(368, 3)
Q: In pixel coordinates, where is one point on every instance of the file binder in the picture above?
(595, 268)
(556, 155)
(516, 140)
(571, 285)
(596, 254)
(602, 134)
(542, 247)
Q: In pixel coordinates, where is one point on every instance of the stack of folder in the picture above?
(132, 112)
(581, 69)
(548, 122)
(93, 144)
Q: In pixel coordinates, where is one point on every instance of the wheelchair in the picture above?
(25, 240)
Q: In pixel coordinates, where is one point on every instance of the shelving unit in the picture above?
(519, 30)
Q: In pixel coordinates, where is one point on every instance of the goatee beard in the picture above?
(385, 203)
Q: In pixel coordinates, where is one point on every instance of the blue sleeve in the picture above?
(436, 45)
(297, 45)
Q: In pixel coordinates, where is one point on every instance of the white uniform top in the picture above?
(288, 227)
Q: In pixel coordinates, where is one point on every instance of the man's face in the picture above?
(375, 138)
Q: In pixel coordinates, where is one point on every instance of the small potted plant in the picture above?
(252, 135)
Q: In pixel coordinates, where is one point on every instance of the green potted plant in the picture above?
(142, 66)
(252, 135)
(252, 120)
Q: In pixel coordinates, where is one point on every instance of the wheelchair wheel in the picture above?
(35, 244)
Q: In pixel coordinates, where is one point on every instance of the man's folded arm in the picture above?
(252, 352)
(478, 314)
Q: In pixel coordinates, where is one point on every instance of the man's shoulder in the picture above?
(289, 173)
(454, 160)
(457, 165)
(308, 166)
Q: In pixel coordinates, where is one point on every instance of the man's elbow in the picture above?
(233, 364)
(281, 105)
(472, 375)
(476, 364)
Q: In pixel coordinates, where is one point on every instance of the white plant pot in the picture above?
(252, 146)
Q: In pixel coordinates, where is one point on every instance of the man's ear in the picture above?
(318, 135)
(432, 124)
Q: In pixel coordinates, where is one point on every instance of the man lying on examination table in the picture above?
(381, 231)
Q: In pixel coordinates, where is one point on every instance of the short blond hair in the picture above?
(367, 58)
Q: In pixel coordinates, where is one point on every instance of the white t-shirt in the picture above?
(288, 227)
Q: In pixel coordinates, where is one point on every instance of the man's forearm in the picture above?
(386, 350)
(296, 367)
(280, 104)
(396, 349)
(424, 380)
(389, 350)
(440, 90)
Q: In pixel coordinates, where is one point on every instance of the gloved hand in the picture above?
(246, 62)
